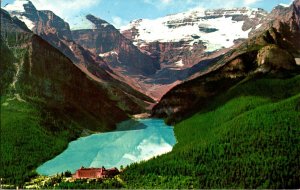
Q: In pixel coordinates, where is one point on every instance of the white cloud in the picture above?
(72, 11)
(166, 1)
(161, 4)
(69, 10)
(147, 1)
(16, 6)
(250, 2)
(188, 4)
(118, 22)
(66, 7)
(208, 4)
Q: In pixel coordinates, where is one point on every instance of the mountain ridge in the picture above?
(186, 43)
(259, 54)
(163, 64)
(57, 32)
(123, 53)
(233, 108)
(45, 101)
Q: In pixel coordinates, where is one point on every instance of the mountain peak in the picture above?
(296, 5)
(29, 6)
(99, 23)
(20, 6)
(23, 10)
(297, 2)
(282, 5)
(296, 15)
(197, 27)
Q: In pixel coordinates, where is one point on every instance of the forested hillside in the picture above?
(46, 101)
(251, 141)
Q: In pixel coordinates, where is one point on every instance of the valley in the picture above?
(179, 101)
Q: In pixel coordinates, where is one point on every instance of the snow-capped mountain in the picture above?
(186, 43)
(155, 54)
(108, 43)
(86, 48)
(215, 29)
(273, 46)
(56, 31)
(39, 21)
(18, 8)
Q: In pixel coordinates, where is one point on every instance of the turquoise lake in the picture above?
(133, 141)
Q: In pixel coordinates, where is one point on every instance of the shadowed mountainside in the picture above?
(46, 101)
(57, 32)
(119, 52)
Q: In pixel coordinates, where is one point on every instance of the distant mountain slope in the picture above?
(168, 50)
(57, 32)
(183, 40)
(108, 43)
(272, 50)
(206, 27)
(186, 44)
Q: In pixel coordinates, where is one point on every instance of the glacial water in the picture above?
(133, 141)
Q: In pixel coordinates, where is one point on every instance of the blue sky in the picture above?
(120, 12)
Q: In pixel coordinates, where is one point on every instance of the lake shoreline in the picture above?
(133, 141)
(142, 116)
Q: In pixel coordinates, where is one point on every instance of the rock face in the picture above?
(11, 24)
(51, 28)
(168, 50)
(152, 56)
(272, 50)
(108, 43)
(274, 57)
(188, 97)
(195, 32)
(286, 21)
(47, 79)
(57, 79)
(289, 15)
(42, 21)
(57, 32)
(185, 44)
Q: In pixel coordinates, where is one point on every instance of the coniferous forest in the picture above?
(251, 141)
(235, 110)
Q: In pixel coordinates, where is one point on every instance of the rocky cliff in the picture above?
(154, 55)
(57, 32)
(185, 44)
(42, 75)
(191, 33)
(108, 43)
(270, 51)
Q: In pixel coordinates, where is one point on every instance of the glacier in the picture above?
(17, 9)
(188, 25)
